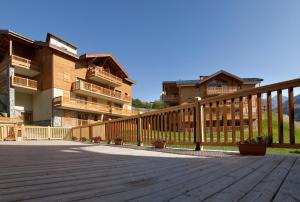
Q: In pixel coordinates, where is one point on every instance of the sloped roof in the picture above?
(182, 82)
(106, 55)
(221, 72)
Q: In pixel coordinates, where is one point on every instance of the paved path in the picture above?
(71, 171)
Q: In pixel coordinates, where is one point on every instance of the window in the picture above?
(66, 77)
(197, 89)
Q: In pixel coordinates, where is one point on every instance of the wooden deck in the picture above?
(70, 171)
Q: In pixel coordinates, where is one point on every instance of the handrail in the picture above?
(77, 103)
(98, 71)
(201, 123)
(253, 91)
(24, 62)
(77, 85)
(20, 81)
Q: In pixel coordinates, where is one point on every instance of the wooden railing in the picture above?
(63, 101)
(92, 88)
(8, 120)
(23, 62)
(188, 124)
(83, 105)
(46, 133)
(170, 98)
(99, 72)
(24, 82)
(221, 90)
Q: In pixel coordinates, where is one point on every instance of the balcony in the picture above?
(24, 85)
(99, 75)
(123, 112)
(171, 98)
(24, 66)
(64, 102)
(221, 90)
(89, 89)
(80, 105)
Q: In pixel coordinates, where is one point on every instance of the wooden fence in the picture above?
(12, 132)
(46, 133)
(219, 120)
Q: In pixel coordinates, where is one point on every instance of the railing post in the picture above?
(49, 132)
(139, 130)
(198, 125)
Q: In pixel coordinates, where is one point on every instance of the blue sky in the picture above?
(171, 40)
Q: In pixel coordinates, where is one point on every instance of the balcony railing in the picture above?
(170, 98)
(100, 91)
(23, 62)
(24, 83)
(87, 106)
(98, 74)
(82, 105)
(123, 112)
(221, 90)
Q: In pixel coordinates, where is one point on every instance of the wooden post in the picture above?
(259, 115)
(139, 130)
(49, 132)
(241, 109)
(225, 121)
(198, 125)
(280, 116)
(269, 114)
(233, 120)
(250, 119)
(90, 132)
(291, 116)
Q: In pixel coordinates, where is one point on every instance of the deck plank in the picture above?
(268, 187)
(68, 171)
(289, 191)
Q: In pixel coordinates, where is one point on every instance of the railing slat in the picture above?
(225, 121)
(211, 132)
(218, 122)
(291, 115)
(250, 118)
(259, 115)
(269, 115)
(205, 123)
(241, 110)
(280, 116)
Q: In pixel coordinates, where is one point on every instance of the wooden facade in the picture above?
(220, 83)
(47, 83)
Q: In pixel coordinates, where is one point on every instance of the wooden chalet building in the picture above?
(184, 91)
(48, 83)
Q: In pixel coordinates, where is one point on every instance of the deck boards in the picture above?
(68, 171)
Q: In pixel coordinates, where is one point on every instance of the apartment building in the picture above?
(220, 83)
(48, 83)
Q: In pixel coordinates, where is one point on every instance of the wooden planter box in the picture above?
(117, 142)
(253, 149)
(160, 145)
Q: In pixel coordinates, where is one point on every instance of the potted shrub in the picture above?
(83, 139)
(253, 146)
(119, 140)
(96, 139)
(74, 138)
(161, 144)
